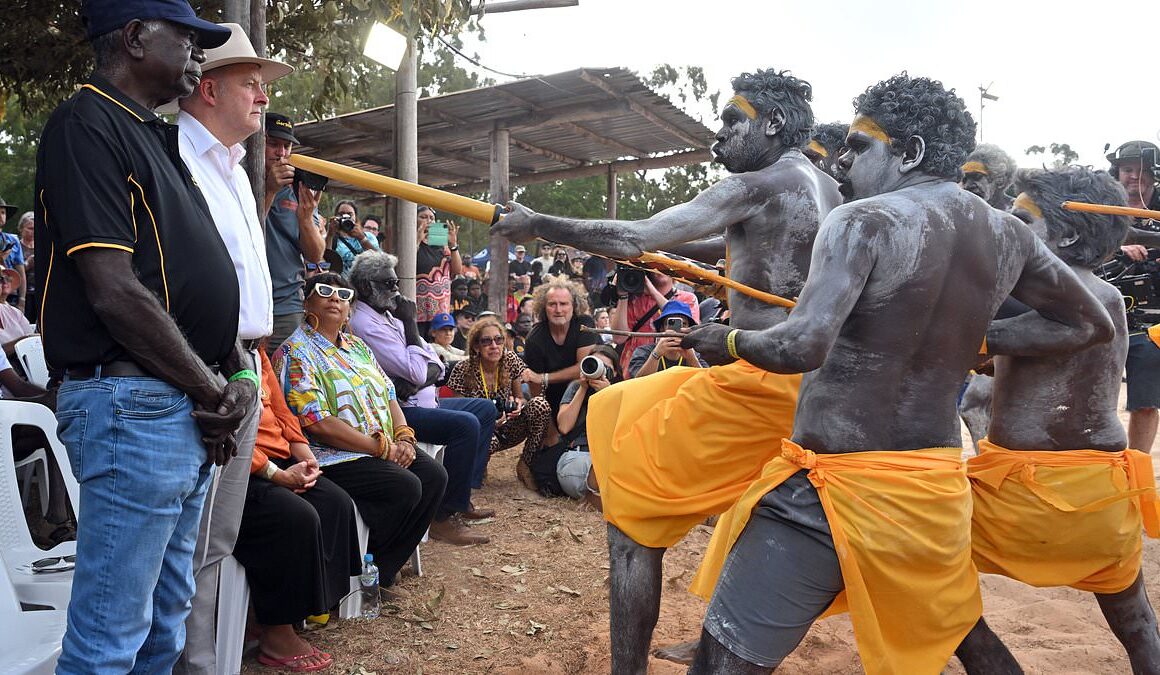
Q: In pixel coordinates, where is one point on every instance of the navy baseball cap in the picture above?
(443, 320)
(673, 308)
(280, 126)
(105, 16)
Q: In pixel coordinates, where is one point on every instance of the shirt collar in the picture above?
(204, 142)
(102, 87)
(319, 340)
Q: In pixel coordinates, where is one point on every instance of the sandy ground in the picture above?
(535, 600)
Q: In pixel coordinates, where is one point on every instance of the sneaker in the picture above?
(454, 532)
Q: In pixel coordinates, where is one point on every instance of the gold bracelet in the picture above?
(404, 431)
(383, 448)
(731, 343)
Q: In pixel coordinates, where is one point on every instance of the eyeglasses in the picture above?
(326, 290)
(58, 564)
(389, 284)
(318, 267)
(488, 341)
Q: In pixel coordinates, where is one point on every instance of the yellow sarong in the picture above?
(901, 527)
(1063, 518)
(673, 448)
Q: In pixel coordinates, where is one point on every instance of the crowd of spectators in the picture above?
(314, 368)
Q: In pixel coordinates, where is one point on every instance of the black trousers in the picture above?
(299, 550)
(397, 504)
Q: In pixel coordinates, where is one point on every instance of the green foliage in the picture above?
(1062, 153)
(19, 139)
(44, 54)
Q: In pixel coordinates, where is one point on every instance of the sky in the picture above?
(1064, 72)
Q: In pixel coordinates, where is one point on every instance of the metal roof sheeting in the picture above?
(572, 122)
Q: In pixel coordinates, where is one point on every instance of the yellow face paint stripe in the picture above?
(870, 128)
(975, 167)
(97, 244)
(818, 148)
(744, 106)
(1024, 201)
(89, 86)
(157, 235)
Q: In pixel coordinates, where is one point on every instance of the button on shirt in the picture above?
(386, 338)
(226, 187)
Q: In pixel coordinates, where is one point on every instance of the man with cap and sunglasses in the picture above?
(293, 237)
(225, 109)
(140, 312)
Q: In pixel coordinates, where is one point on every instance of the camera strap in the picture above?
(649, 314)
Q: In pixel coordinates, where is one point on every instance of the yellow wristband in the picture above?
(731, 343)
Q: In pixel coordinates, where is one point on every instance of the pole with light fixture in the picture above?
(984, 96)
(397, 52)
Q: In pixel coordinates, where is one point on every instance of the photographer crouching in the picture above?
(492, 372)
(574, 467)
(666, 352)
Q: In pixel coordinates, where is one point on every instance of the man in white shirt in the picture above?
(224, 110)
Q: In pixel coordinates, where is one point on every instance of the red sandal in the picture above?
(294, 664)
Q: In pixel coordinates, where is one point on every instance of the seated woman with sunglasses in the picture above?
(357, 430)
(493, 372)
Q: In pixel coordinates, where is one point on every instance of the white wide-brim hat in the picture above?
(236, 50)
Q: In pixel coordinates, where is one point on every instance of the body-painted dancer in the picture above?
(676, 447)
(868, 507)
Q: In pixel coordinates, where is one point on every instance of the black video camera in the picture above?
(311, 180)
(1139, 283)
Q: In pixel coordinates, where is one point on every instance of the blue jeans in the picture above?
(465, 425)
(138, 456)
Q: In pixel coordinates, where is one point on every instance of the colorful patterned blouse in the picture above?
(321, 380)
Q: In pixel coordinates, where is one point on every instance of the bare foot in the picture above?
(683, 653)
(281, 643)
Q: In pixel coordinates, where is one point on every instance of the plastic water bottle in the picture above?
(369, 582)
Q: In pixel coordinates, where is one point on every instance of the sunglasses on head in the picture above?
(318, 267)
(326, 290)
(487, 341)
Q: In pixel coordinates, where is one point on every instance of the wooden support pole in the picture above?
(406, 166)
(613, 195)
(497, 289)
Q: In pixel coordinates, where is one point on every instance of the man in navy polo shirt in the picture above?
(141, 312)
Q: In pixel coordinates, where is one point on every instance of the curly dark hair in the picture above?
(906, 106)
(1001, 165)
(831, 136)
(768, 88)
(1099, 235)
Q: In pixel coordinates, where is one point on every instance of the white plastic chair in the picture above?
(34, 468)
(16, 546)
(351, 607)
(30, 351)
(29, 641)
(233, 601)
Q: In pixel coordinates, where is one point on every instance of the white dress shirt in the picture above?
(226, 189)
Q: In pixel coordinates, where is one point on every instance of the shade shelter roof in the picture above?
(569, 125)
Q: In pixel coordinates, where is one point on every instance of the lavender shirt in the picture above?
(386, 338)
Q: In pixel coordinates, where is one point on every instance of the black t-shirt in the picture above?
(519, 267)
(108, 175)
(543, 355)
